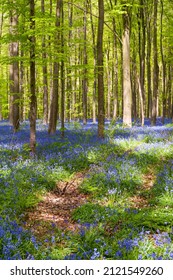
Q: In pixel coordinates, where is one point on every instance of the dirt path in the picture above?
(56, 207)
(140, 199)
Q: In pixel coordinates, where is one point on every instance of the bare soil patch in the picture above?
(139, 201)
(56, 207)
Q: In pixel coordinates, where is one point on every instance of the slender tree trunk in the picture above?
(134, 87)
(95, 64)
(156, 67)
(149, 111)
(1, 25)
(142, 41)
(85, 62)
(101, 111)
(33, 101)
(115, 74)
(164, 97)
(14, 72)
(80, 100)
(21, 88)
(141, 101)
(114, 67)
(54, 102)
(50, 64)
(69, 90)
(44, 69)
(127, 95)
(169, 90)
(108, 86)
(69, 71)
(62, 76)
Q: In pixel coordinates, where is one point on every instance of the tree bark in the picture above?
(33, 101)
(127, 95)
(115, 75)
(70, 86)
(14, 72)
(141, 101)
(114, 67)
(95, 64)
(62, 77)
(44, 69)
(101, 110)
(156, 67)
(164, 97)
(85, 62)
(108, 84)
(1, 25)
(149, 111)
(54, 106)
(142, 39)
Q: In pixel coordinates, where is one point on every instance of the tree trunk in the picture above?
(134, 87)
(164, 97)
(50, 64)
(21, 89)
(149, 111)
(101, 111)
(156, 67)
(95, 64)
(54, 102)
(33, 101)
(85, 62)
(114, 67)
(169, 90)
(141, 101)
(70, 88)
(108, 85)
(142, 39)
(1, 25)
(127, 95)
(14, 72)
(115, 75)
(44, 69)
(62, 77)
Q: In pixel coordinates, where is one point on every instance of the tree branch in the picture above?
(82, 9)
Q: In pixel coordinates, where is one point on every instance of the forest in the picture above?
(86, 130)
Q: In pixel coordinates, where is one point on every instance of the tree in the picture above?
(100, 69)
(33, 101)
(55, 94)
(156, 67)
(85, 61)
(127, 95)
(1, 26)
(148, 61)
(94, 48)
(115, 67)
(163, 64)
(45, 72)
(62, 76)
(14, 68)
(72, 80)
(142, 42)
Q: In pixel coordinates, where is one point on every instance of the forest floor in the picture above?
(87, 198)
(56, 207)
(140, 200)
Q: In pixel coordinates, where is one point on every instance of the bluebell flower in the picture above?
(119, 254)
(95, 255)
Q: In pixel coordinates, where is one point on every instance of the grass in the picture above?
(128, 180)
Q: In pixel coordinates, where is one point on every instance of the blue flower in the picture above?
(95, 255)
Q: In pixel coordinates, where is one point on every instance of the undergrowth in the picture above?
(111, 225)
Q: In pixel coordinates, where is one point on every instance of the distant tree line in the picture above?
(72, 60)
